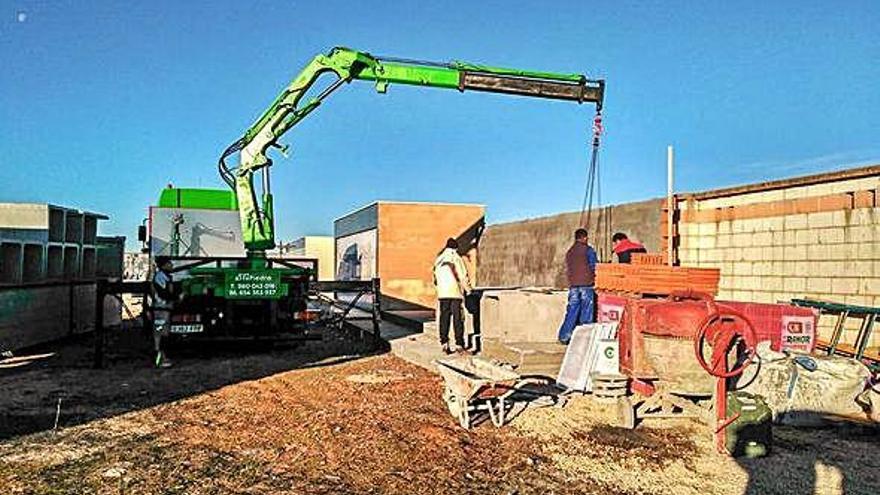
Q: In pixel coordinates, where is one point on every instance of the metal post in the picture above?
(100, 291)
(670, 208)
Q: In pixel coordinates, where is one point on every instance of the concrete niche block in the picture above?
(73, 231)
(10, 263)
(56, 225)
(90, 230)
(54, 262)
(71, 262)
(32, 267)
(89, 262)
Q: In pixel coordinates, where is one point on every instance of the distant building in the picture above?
(312, 246)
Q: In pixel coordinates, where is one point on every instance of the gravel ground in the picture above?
(316, 420)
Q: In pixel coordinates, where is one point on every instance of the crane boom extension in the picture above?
(347, 65)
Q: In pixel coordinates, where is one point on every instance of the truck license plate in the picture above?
(189, 328)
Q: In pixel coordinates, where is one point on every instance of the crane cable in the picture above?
(592, 182)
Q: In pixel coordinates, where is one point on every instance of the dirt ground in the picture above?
(334, 417)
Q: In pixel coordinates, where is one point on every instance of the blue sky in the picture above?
(103, 103)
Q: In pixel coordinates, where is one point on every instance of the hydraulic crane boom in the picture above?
(287, 110)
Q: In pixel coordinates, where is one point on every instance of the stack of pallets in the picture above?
(656, 279)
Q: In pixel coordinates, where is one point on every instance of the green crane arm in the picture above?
(288, 109)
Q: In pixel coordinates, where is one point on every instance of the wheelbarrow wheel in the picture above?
(497, 415)
(464, 416)
(626, 413)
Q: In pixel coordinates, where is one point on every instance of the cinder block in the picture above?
(708, 229)
(820, 219)
(742, 295)
(859, 269)
(778, 268)
(742, 268)
(819, 252)
(763, 297)
(819, 285)
(864, 251)
(872, 286)
(727, 282)
(795, 222)
(741, 240)
(752, 253)
(723, 241)
(860, 233)
(840, 218)
(725, 227)
(790, 237)
(864, 216)
(725, 294)
(795, 253)
(771, 253)
(734, 254)
(844, 286)
(762, 268)
(859, 300)
(705, 242)
(687, 256)
(807, 237)
(834, 235)
(754, 283)
(769, 283)
(762, 239)
(794, 284)
(778, 237)
(773, 224)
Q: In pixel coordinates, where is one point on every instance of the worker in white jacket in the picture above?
(453, 283)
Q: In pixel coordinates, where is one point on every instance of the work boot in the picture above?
(462, 351)
(162, 361)
(446, 349)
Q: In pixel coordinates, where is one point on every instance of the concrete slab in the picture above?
(522, 315)
(421, 350)
(530, 358)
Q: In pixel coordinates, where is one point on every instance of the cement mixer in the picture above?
(663, 353)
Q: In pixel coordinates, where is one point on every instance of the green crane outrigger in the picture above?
(257, 222)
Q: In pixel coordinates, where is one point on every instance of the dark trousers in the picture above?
(451, 307)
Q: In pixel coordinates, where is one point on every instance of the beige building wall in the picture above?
(815, 237)
(319, 247)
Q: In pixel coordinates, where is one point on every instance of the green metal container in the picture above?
(751, 434)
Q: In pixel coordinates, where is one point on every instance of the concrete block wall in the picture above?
(40, 242)
(36, 315)
(817, 239)
(532, 252)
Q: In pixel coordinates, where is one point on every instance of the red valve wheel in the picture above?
(721, 331)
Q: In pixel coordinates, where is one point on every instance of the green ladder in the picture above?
(867, 314)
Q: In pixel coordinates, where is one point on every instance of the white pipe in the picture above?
(670, 208)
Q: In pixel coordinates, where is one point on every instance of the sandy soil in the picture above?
(330, 418)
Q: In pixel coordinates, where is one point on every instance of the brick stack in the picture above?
(648, 259)
(656, 279)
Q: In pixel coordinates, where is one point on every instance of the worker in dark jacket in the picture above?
(624, 248)
(580, 267)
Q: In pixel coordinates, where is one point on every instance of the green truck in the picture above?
(251, 293)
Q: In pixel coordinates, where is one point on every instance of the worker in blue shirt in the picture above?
(580, 268)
